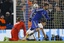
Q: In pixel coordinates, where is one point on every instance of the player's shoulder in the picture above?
(40, 9)
(22, 21)
(16, 23)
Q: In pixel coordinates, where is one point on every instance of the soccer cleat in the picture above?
(47, 38)
(6, 39)
(38, 39)
(23, 40)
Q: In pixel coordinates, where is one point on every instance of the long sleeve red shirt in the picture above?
(20, 25)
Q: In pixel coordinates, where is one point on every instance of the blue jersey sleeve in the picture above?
(32, 12)
(46, 15)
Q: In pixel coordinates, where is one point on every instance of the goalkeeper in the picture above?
(15, 30)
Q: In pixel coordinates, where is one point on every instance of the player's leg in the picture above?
(29, 34)
(26, 36)
(14, 36)
(41, 28)
(31, 38)
(43, 33)
(32, 30)
(38, 35)
(45, 36)
(34, 26)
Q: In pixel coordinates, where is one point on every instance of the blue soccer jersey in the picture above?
(39, 13)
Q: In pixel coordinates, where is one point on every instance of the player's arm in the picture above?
(32, 12)
(24, 29)
(47, 17)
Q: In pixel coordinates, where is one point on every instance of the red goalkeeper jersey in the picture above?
(16, 29)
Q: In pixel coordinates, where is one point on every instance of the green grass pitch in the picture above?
(33, 42)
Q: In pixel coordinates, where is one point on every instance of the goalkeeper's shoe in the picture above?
(6, 39)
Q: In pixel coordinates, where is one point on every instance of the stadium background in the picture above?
(21, 8)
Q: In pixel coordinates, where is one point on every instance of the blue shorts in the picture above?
(34, 25)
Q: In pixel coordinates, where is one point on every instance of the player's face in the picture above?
(47, 7)
(43, 23)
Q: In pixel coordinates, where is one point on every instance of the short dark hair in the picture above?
(43, 20)
(18, 18)
(45, 4)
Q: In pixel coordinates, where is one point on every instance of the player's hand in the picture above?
(51, 19)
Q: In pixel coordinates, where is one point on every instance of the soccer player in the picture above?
(16, 29)
(39, 13)
(30, 32)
